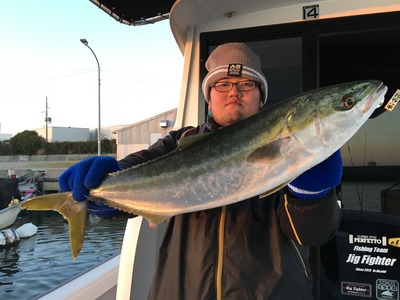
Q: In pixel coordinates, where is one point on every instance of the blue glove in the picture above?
(86, 175)
(319, 180)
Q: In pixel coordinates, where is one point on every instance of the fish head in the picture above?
(360, 97)
(327, 118)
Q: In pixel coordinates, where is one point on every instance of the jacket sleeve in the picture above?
(158, 149)
(310, 223)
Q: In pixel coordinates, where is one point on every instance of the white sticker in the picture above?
(393, 101)
(311, 12)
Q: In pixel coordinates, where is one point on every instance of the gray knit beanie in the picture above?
(233, 60)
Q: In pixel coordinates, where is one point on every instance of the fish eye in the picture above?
(348, 102)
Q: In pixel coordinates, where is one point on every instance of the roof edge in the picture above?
(121, 19)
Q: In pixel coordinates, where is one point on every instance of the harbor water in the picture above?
(44, 261)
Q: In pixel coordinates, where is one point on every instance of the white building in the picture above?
(76, 134)
(63, 134)
(141, 135)
(5, 136)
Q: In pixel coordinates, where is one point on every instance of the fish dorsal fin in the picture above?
(271, 152)
(191, 141)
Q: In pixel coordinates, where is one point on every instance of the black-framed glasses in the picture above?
(243, 86)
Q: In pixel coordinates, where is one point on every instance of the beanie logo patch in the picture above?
(235, 70)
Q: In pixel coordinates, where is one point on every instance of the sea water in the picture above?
(44, 261)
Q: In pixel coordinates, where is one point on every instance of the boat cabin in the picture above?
(303, 46)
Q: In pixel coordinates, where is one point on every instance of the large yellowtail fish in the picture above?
(255, 156)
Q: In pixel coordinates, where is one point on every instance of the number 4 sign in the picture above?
(311, 12)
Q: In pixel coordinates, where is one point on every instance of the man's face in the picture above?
(228, 107)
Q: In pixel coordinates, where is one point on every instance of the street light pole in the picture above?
(86, 43)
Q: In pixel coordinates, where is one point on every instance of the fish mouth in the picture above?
(375, 99)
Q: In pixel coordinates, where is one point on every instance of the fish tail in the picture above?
(73, 211)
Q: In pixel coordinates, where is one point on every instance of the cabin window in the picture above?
(302, 56)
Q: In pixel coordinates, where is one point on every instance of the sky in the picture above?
(42, 57)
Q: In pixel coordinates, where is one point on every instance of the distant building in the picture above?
(64, 134)
(107, 132)
(76, 134)
(5, 136)
(141, 135)
(129, 138)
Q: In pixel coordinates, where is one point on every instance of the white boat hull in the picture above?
(8, 215)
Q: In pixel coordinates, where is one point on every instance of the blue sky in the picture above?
(42, 56)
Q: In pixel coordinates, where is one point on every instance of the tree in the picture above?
(26, 143)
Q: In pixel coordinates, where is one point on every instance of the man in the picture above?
(254, 249)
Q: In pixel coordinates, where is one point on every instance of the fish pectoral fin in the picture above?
(192, 140)
(278, 188)
(155, 220)
(271, 152)
(73, 211)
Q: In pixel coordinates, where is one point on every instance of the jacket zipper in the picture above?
(300, 257)
(221, 234)
(296, 235)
